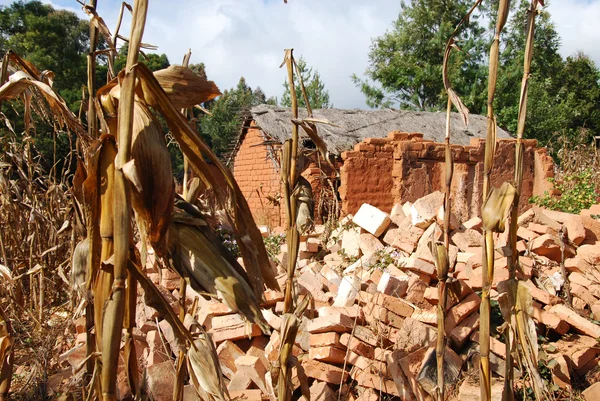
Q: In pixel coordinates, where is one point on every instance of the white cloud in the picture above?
(577, 22)
(246, 37)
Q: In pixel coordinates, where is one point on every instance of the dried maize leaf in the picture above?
(497, 207)
(21, 81)
(154, 203)
(440, 256)
(205, 370)
(201, 260)
(6, 356)
(248, 236)
(185, 88)
(154, 299)
(528, 339)
(99, 24)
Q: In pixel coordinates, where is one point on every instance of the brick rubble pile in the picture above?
(371, 328)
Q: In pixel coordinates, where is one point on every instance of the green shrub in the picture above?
(577, 190)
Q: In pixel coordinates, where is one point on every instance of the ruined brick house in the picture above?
(384, 157)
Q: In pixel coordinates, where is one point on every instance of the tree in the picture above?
(224, 123)
(318, 96)
(153, 61)
(55, 40)
(406, 62)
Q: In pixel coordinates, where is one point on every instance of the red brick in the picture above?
(324, 372)
(357, 346)
(327, 354)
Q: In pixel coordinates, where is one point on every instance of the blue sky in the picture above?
(247, 37)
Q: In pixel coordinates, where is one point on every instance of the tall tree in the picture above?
(51, 39)
(405, 63)
(318, 96)
(224, 123)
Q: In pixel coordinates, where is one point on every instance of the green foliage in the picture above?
(578, 192)
(405, 69)
(154, 61)
(273, 245)
(318, 96)
(224, 123)
(55, 40)
(405, 63)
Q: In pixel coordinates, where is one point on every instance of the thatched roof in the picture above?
(355, 125)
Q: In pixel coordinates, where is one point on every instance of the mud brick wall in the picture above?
(258, 178)
(366, 175)
(404, 167)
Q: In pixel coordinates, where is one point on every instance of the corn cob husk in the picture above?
(231, 199)
(205, 370)
(201, 258)
(152, 198)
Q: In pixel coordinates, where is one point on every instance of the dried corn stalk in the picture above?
(6, 355)
(487, 270)
(518, 299)
(440, 251)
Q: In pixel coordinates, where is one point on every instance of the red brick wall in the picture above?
(258, 178)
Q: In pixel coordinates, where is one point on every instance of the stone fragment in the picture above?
(331, 339)
(427, 377)
(393, 285)
(425, 209)
(227, 353)
(253, 368)
(579, 323)
(339, 324)
(351, 242)
(592, 393)
(160, 379)
(466, 239)
(320, 391)
(471, 391)
(461, 311)
(348, 291)
(357, 346)
(371, 219)
(461, 333)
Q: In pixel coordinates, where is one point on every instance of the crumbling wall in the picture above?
(258, 178)
(405, 167)
(366, 175)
